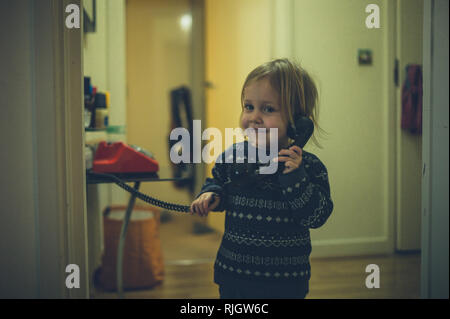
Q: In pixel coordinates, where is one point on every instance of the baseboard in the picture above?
(351, 247)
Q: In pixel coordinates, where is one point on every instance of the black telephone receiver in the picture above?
(300, 132)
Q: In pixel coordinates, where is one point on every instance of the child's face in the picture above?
(262, 109)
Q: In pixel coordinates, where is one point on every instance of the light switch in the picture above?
(365, 57)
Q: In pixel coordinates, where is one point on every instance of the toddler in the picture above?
(265, 249)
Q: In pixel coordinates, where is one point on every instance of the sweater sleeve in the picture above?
(216, 184)
(307, 191)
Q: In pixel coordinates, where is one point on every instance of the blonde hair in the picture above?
(297, 91)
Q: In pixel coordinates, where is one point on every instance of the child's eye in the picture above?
(268, 109)
(248, 107)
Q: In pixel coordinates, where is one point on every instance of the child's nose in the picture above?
(256, 116)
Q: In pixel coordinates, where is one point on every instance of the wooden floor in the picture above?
(332, 278)
(189, 271)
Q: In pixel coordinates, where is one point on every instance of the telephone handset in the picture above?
(303, 130)
(240, 172)
(300, 133)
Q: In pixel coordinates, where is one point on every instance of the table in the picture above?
(136, 178)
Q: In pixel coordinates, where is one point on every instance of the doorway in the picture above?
(164, 52)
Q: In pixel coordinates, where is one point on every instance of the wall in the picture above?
(356, 114)
(104, 56)
(238, 38)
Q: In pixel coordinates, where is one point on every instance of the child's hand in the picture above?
(292, 158)
(204, 203)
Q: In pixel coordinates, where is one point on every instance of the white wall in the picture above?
(104, 56)
(356, 111)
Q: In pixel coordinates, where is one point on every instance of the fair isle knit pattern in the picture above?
(267, 222)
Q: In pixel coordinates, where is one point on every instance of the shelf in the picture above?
(95, 129)
(163, 175)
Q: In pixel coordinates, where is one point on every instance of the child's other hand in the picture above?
(292, 158)
(205, 203)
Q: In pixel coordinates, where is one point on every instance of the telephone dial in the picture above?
(119, 157)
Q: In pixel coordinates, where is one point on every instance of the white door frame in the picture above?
(435, 217)
(69, 126)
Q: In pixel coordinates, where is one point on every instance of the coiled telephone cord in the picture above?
(146, 198)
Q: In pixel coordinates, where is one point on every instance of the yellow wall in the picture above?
(237, 40)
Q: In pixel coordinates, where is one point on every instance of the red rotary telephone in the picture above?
(121, 158)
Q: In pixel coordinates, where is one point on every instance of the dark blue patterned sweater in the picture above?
(267, 221)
